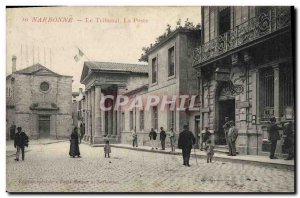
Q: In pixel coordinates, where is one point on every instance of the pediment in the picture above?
(45, 72)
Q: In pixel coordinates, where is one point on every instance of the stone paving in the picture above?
(48, 168)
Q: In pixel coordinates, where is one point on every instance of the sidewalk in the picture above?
(201, 155)
(11, 151)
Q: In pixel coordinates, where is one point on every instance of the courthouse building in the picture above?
(40, 101)
(106, 78)
(169, 72)
(247, 72)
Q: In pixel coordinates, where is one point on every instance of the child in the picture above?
(209, 151)
(107, 149)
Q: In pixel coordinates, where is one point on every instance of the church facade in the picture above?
(40, 101)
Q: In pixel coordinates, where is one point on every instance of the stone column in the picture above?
(254, 90)
(93, 113)
(102, 113)
(110, 121)
(276, 92)
(114, 123)
(86, 116)
(89, 115)
(98, 119)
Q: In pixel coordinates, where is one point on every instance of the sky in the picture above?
(91, 30)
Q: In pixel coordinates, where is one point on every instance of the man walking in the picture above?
(162, 137)
(273, 136)
(185, 142)
(226, 127)
(21, 140)
(232, 136)
(152, 136)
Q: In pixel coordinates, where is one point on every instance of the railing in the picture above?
(274, 19)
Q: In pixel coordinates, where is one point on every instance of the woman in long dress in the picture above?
(74, 144)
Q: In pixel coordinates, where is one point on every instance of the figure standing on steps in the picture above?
(186, 141)
(273, 136)
(232, 136)
(226, 127)
(289, 140)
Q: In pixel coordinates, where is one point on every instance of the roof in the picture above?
(171, 35)
(36, 69)
(138, 89)
(111, 66)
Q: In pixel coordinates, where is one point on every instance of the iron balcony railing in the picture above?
(267, 22)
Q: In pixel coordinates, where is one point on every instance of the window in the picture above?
(224, 20)
(268, 93)
(122, 121)
(44, 86)
(171, 118)
(155, 118)
(141, 119)
(171, 56)
(154, 70)
(131, 120)
(286, 87)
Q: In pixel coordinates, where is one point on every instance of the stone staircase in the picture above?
(222, 149)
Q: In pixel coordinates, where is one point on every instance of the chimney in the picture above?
(14, 63)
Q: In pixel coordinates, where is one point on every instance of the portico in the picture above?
(101, 79)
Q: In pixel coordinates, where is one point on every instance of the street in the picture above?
(48, 168)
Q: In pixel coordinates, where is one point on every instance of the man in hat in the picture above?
(21, 140)
(162, 138)
(289, 140)
(232, 136)
(273, 136)
(185, 142)
(152, 136)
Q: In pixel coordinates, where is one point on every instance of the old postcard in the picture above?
(150, 99)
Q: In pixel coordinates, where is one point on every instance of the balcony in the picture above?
(276, 18)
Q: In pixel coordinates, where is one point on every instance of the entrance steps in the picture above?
(222, 149)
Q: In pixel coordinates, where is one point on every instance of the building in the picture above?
(78, 113)
(102, 79)
(170, 74)
(40, 101)
(247, 72)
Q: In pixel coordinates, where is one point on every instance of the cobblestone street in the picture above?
(48, 168)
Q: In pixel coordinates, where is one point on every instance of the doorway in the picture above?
(44, 126)
(226, 109)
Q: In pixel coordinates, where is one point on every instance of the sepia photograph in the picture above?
(150, 99)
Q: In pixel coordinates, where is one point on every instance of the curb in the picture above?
(219, 158)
